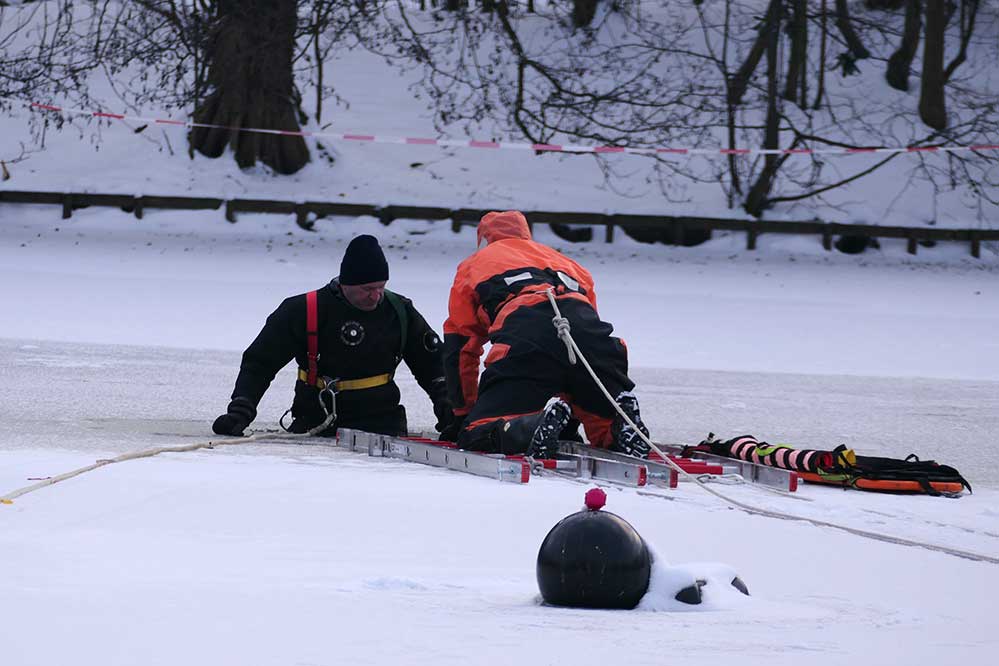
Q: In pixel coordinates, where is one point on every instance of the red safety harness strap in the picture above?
(312, 334)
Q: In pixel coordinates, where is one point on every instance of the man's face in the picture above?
(364, 296)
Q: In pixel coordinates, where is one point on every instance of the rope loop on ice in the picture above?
(149, 453)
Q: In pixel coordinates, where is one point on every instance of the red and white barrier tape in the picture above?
(538, 147)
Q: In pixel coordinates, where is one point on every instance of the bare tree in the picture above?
(233, 62)
(969, 12)
(756, 198)
(796, 77)
(900, 62)
(628, 76)
(843, 21)
(823, 40)
(740, 80)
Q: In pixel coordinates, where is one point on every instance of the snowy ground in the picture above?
(289, 557)
(119, 335)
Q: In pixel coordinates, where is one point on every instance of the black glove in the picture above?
(637, 448)
(629, 442)
(239, 414)
(448, 424)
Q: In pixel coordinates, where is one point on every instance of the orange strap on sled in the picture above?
(312, 335)
(883, 485)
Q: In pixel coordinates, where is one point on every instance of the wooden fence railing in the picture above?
(678, 227)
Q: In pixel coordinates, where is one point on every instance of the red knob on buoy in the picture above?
(595, 499)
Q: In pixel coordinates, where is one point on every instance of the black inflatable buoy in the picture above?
(593, 559)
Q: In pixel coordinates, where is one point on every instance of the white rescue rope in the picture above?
(149, 453)
(566, 337)
(562, 329)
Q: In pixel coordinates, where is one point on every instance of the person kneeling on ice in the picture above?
(347, 337)
(529, 391)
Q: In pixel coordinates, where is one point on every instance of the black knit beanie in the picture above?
(363, 262)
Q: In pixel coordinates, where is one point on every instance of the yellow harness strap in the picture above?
(348, 384)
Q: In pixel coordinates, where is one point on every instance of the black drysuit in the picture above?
(353, 344)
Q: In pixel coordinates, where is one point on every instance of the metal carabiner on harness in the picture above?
(327, 398)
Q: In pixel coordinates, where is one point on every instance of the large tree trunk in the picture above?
(900, 62)
(932, 103)
(251, 85)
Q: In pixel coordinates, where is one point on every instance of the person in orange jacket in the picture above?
(529, 392)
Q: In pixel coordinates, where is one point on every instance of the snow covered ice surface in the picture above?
(118, 335)
(121, 335)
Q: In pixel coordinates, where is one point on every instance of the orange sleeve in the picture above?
(464, 337)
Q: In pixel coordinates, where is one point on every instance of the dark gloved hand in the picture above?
(626, 438)
(636, 447)
(448, 424)
(628, 441)
(238, 416)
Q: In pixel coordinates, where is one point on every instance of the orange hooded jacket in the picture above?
(510, 272)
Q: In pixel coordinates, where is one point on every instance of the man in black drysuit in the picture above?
(361, 333)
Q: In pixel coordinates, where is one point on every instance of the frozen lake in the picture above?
(109, 398)
(305, 554)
